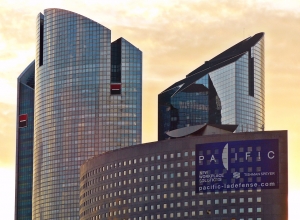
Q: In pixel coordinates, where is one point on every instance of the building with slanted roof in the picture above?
(228, 89)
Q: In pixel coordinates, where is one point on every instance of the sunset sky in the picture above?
(175, 37)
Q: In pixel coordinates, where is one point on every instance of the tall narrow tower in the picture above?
(87, 101)
(24, 150)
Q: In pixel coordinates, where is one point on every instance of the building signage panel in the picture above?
(23, 120)
(236, 165)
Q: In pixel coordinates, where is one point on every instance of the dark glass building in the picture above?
(228, 89)
(24, 150)
(88, 100)
(199, 177)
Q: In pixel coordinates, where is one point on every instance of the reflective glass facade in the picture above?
(24, 150)
(229, 89)
(88, 101)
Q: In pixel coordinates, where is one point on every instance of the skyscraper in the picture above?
(228, 89)
(87, 101)
(24, 150)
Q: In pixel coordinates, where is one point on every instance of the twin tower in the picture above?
(82, 96)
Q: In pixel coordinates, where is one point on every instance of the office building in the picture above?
(24, 143)
(242, 176)
(228, 89)
(87, 97)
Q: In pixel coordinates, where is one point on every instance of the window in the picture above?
(250, 210)
(258, 209)
(224, 211)
(232, 210)
(242, 200)
(241, 210)
(232, 200)
(216, 201)
(258, 199)
(224, 201)
(217, 212)
(250, 199)
(208, 202)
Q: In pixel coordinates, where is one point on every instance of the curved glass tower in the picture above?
(87, 101)
(228, 89)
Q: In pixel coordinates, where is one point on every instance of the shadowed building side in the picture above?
(24, 149)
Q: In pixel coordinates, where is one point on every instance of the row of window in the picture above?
(135, 161)
(180, 214)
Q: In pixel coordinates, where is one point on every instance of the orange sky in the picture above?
(175, 37)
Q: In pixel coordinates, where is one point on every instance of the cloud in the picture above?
(176, 37)
(7, 134)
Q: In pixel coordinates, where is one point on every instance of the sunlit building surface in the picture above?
(228, 89)
(242, 176)
(87, 101)
(24, 150)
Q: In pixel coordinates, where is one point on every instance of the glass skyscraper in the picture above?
(24, 151)
(228, 89)
(88, 98)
